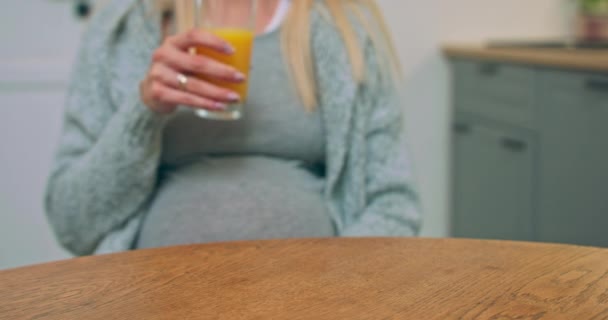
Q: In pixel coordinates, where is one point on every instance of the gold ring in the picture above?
(182, 80)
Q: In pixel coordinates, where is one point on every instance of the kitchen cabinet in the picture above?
(494, 171)
(574, 189)
(530, 152)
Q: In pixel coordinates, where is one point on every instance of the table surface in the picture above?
(319, 279)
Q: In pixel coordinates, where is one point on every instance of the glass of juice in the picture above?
(235, 22)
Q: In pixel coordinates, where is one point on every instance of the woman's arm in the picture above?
(374, 193)
(106, 164)
(392, 204)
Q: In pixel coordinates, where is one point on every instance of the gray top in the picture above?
(235, 198)
(275, 124)
(246, 179)
(106, 170)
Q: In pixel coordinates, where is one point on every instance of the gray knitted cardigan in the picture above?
(106, 167)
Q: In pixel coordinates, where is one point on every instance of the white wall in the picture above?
(420, 28)
(39, 40)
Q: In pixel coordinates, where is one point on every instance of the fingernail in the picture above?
(239, 76)
(220, 106)
(233, 96)
(229, 49)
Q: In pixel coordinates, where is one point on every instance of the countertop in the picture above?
(578, 59)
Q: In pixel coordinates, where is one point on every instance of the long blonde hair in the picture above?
(296, 38)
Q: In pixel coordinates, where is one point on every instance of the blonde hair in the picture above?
(296, 39)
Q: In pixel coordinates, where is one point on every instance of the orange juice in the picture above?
(242, 41)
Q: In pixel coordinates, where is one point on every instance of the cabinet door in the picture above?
(574, 192)
(498, 91)
(493, 181)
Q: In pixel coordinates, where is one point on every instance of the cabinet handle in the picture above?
(514, 145)
(83, 8)
(597, 85)
(489, 69)
(462, 128)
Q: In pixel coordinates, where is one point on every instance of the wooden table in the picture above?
(319, 279)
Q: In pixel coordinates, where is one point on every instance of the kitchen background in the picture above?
(39, 39)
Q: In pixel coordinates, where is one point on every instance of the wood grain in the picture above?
(319, 279)
(584, 60)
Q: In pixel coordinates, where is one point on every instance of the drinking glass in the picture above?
(235, 22)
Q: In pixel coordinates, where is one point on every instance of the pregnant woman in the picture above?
(318, 152)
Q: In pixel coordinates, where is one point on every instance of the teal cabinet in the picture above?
(530, 153)
(494, 176)
(574, 175)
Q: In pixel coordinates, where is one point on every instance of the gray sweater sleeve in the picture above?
(106, 164)
(393, 207)
(374, 194)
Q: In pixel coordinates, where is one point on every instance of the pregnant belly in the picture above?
(245, 198)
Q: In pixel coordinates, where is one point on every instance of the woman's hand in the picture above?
(161, 90)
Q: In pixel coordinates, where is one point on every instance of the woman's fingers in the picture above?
(161, 90)
(167, 95)
(196, 64)
(201, 88)
(198, 38)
